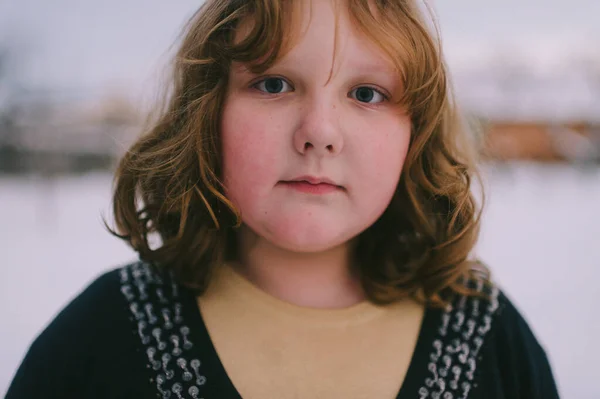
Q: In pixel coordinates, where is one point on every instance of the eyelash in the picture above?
(262, 80)
(382, 94)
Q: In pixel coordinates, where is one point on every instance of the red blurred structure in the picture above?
(541, 141)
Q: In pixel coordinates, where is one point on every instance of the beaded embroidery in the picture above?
(156, 312)
(455, 354)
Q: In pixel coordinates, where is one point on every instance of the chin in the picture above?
(306, 246)
(309, 240)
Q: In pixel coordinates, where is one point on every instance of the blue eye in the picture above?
(273, 86)
(366, 94)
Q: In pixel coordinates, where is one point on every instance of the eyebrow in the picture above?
(373, 67)
(360, 68)
(392, 75)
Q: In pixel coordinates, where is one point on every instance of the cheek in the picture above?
(250, 150)
(381, 159)
(385, 151)
(393, 154)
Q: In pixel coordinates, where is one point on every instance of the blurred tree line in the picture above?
(56, 132)
(49, 132)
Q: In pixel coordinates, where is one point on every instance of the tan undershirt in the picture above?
(274, 349)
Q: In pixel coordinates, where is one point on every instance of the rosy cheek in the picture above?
(248, 148)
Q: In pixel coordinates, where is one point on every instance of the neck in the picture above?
(319, 280)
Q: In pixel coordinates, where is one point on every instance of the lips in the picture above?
(314, 180)
(313, 185)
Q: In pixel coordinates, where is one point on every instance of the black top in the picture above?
(135, 333)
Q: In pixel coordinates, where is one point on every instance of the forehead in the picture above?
(308, 24)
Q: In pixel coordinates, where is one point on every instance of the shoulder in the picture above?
(89, 310)
(113, 299)
(95, 334)
(484, 348)
(513, 359)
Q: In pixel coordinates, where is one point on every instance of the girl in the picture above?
(303, 215)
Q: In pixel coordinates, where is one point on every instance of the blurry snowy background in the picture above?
(75, 76)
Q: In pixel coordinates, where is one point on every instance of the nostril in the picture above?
(307, 145)
(330, 147)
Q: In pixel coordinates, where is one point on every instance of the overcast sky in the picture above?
(95, 45)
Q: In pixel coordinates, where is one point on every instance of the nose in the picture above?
(319, 132)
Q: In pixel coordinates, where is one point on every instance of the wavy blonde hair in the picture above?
(168, 185)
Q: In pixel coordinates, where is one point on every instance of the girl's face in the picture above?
(313, 150)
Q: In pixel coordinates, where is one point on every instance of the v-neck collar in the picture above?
(218, 380)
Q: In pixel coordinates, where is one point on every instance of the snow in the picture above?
(540, 236)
